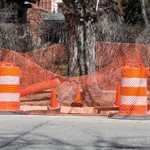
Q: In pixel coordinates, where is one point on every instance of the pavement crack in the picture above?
(23, 134)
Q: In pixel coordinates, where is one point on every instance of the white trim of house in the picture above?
(54, 7)
(58, 1)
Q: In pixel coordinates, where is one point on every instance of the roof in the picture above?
(54, 16)
(31, 1)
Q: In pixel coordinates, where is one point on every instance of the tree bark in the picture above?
(81, 17)
(119, 2)
(144, 14)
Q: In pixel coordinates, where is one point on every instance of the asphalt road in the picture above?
(24, 132)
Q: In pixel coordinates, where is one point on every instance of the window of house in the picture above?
(45, 4)
(60, 7)
(57, 6)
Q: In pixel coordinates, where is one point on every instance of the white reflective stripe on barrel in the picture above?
(9, 97)
(134, 82)
(9, 80)
(134, 100)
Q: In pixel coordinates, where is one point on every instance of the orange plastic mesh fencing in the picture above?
(97, 89)
(30, 71)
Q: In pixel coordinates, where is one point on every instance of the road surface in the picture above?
(31, 132)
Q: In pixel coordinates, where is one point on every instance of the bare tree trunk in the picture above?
(120, 6)
(81, 16)
(144, 14)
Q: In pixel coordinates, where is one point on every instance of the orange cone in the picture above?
(117, 102)
(54, 103)
(78, 97)
(77, 102)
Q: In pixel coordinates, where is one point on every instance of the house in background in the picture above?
(54, 6)
(47, 22)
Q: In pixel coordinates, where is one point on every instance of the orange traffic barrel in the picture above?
(133, 90)
(9, 87)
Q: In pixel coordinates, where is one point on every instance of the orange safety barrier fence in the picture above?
(118, 93)
(38, 87)
(97, 89)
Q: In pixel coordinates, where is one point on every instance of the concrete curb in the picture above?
(130, 117)
(11, 113)
(78, 110)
